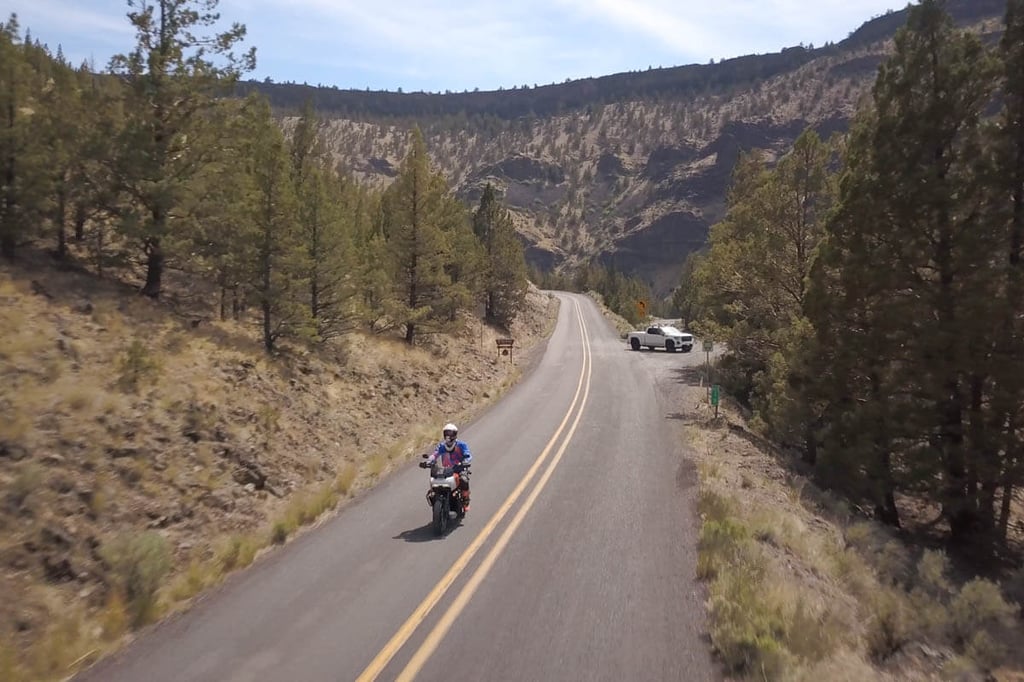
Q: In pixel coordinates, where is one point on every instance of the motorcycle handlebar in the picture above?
(458, 468)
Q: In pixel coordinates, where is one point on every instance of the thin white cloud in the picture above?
(729, 28)
(664, 22)
(455, 44)
(48, 16)
(425, 27)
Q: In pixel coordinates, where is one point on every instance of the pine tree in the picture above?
(752, 283)
(371, 277)
(506, 282)
(856, 347)
(465, 264)
(64, 132)
(270, 247)
(172, 77)
(685, 297)
(219, 203)
(328, 206)
(1008, 180)
(907, 251)
(21, 162)
(96, 203)
(413, 222)
(325, 206)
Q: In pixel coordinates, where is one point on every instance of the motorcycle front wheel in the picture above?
(440, 515)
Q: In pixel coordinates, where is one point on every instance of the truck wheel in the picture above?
(634, 344)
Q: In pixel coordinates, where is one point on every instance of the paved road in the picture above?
(575, 563)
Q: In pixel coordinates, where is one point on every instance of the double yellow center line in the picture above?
(381, 660)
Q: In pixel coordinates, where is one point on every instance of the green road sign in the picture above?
(714, 395)
(709, 346)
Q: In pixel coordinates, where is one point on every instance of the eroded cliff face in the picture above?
(635, 183)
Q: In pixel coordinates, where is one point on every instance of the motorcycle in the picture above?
(445, 493)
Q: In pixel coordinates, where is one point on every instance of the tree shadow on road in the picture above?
(691, 376)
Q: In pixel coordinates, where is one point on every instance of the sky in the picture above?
(456, 45)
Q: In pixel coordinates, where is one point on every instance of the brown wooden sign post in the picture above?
(505, 347)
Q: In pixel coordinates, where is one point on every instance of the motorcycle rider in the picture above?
(453, 451)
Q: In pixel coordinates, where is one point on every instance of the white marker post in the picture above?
(708, 347)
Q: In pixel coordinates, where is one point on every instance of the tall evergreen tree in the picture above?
(685, 297)
(857, 345)
(220, 204)
(172, 77)
(279, 261)
(64, 128)
(415, 216)
(465, 264)
(506, 283)
(752, 283)
(22, 181)
(1007, 180)
(325, 210)
(909, 234)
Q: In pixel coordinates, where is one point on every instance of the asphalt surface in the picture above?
(576, 561)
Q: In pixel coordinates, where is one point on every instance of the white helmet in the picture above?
(450, 432)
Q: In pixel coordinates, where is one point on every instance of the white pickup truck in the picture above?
(669, 338)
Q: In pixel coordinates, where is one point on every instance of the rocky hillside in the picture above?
(147, 451)
(631, 168)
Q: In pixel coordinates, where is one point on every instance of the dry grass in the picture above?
(376, 464)
(80, 397)
(139, 562)
(28, 477)
(10, 288)
(799, 590)
(107, 316)
(16, 338)
(113, 619)
(237, 552)
(345, 478)
(136, 366)
(66, 641)
(197, 577)
(152, 421)
(15, 427)
(761, 620)
(9, 667)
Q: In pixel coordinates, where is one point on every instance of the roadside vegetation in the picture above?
(210, 334)
(869, 291)
(860, 501)
(804, 586)
(138, 470)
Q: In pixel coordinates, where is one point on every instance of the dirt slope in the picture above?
(122, 417)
